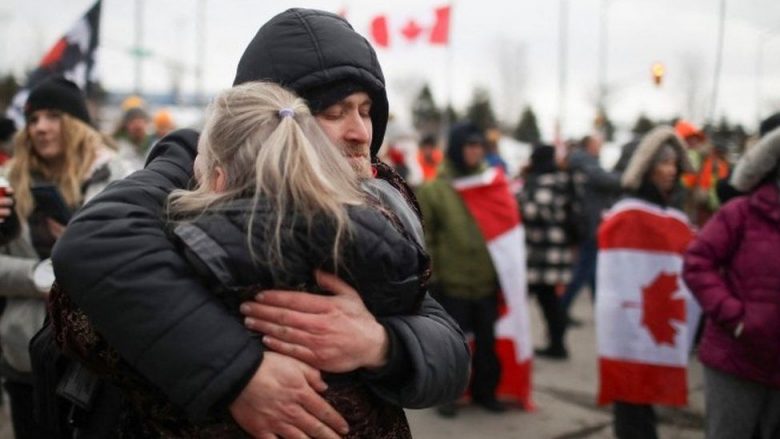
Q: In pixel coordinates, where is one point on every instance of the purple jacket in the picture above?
(733, 269)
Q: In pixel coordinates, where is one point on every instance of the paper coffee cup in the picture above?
(4, 185)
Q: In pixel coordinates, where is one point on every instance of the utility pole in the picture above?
(448, 63)
(718, 63)
(138, 49)
(603, 55)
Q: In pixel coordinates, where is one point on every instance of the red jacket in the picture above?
(733, 269)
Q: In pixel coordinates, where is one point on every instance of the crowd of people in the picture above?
(271, 276)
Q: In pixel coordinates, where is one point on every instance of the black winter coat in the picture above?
(379, 258)
(117, 264)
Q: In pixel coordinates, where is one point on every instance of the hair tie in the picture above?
(286, 112)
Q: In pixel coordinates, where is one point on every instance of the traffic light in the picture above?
(658, 71)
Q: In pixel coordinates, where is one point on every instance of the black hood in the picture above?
(461, 134)
(542, 160)
(306, 50)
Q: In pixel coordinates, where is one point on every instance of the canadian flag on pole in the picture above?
(645, 315)
(488, 199)
(433, 29)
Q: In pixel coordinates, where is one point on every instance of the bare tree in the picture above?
(692, 74)
(406, 89)
(513, 76)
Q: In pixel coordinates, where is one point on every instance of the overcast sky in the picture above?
(489, 39)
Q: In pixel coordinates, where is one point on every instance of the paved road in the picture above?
(564, 393)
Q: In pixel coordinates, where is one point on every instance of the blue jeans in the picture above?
(584, 271)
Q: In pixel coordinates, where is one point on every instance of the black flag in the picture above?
(72, 56)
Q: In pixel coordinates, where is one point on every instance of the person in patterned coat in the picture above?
(547, 203)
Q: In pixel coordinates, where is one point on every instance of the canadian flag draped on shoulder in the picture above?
(72, 56)
(490, 202)
(645, 315)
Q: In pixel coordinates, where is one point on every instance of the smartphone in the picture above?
(49, 201)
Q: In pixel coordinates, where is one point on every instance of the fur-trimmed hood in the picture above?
(757, 163)
(642, 158)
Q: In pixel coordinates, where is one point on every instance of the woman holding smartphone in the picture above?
(57, 148)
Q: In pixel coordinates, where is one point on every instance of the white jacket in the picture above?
(25, 307)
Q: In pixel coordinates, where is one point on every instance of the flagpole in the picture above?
(448, 66)
(718, 63)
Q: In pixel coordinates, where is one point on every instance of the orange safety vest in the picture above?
(704, 178)
(429, 168)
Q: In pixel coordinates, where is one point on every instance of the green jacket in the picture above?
(461, 263)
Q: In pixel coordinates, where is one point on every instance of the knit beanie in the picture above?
(461, 134)
(543, 159)
(58, 93)
(134, 113)
(687, 130)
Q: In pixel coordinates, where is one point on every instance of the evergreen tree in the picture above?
(527, 130)
(8, 89)
(643, 125)
(426, 116)
(480, 111)
(452, 114)
(604, 125)
(723, 129)
(740, 138)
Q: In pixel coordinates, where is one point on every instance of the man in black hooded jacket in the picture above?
(118, 265)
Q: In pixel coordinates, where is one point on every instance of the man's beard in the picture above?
(359, 159)
(361, 166)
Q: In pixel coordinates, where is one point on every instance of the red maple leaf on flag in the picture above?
(412, 30)
(659, 308)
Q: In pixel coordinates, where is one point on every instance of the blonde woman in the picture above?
(58, 149)
(275, 202)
